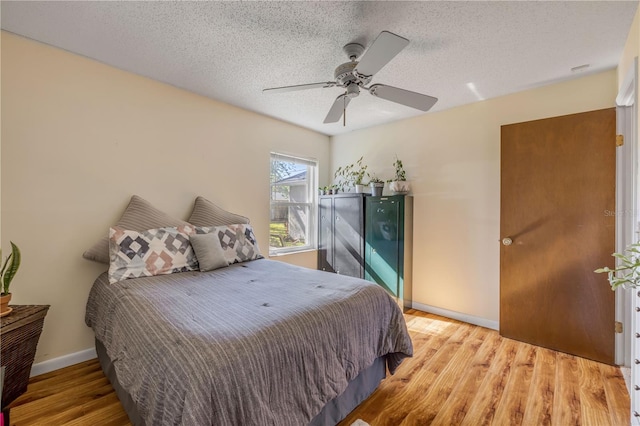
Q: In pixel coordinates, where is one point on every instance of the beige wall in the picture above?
(80, 137)
(631, 49)
(453, 160)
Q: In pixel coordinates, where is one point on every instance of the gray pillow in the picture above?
(139, 216)
(208, 251)
(205, 213)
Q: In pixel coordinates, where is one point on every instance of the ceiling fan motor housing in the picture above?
(344, 73)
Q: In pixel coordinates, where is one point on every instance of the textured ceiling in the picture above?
(230, 51)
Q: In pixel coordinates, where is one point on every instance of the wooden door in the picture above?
(557, 206)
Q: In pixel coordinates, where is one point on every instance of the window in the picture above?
(293, 204)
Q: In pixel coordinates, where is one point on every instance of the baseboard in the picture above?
(482, 322)
(63, 361)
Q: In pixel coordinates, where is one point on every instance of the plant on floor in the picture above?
(9, 268)
(627, 274)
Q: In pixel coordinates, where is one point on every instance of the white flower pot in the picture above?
(359, 188)
(399, 186)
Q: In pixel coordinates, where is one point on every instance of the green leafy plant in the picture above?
(400, 173)
(376, 179)
(627, 274)
(351, 174)
(9, 268)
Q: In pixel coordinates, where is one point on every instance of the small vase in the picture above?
(4, 304)
(359, 188)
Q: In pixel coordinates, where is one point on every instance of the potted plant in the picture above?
(352, 175)
(358, 174)
(377, 185)
(9, 269)
(399, 185)
(627, 274)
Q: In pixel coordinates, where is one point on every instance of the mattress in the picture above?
(257, 343)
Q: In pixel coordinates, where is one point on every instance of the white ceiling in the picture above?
(230, 51)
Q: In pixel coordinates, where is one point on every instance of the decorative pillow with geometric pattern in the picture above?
(238, 242)
(159, 251)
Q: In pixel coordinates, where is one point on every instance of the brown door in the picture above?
(557, 206)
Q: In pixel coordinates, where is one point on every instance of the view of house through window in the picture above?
(293, 183)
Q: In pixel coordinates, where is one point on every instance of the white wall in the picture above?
(453, 159)
(80, 137)
(631, 49)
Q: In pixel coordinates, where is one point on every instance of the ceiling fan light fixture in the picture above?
(352, 90)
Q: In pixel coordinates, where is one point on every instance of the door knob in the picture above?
(506, 241)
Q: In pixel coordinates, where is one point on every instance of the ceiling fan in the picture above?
(355, 75)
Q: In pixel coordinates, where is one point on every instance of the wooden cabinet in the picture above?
(341, 234)
(389, 241)
(20, 334)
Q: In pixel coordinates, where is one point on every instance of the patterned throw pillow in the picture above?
(154, 252)
(238, 242)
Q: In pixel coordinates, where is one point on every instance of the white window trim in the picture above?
(312, 230)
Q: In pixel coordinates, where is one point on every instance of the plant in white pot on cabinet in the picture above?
(399, 184)
(352, 175)
(9, 269)
(358, 176)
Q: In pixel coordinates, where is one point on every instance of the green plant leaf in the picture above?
(4, 266)
(12, 267)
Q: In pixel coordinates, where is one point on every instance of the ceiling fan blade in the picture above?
(299, 87)
(404, 97)
(383, 49)
(338, 107)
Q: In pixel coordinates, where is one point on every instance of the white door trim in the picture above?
(627, 226)
(626, 202)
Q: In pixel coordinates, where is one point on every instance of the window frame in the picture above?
(312, 204)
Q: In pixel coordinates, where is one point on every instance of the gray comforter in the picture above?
(257, 343)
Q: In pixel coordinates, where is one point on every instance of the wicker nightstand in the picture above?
(19, 336)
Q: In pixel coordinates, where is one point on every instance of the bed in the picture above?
(256, 343)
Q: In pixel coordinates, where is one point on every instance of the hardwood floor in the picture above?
(460, 375)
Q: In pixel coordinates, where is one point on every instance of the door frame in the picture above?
(626, 204)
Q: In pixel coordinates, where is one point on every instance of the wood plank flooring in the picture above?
(460, 375)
